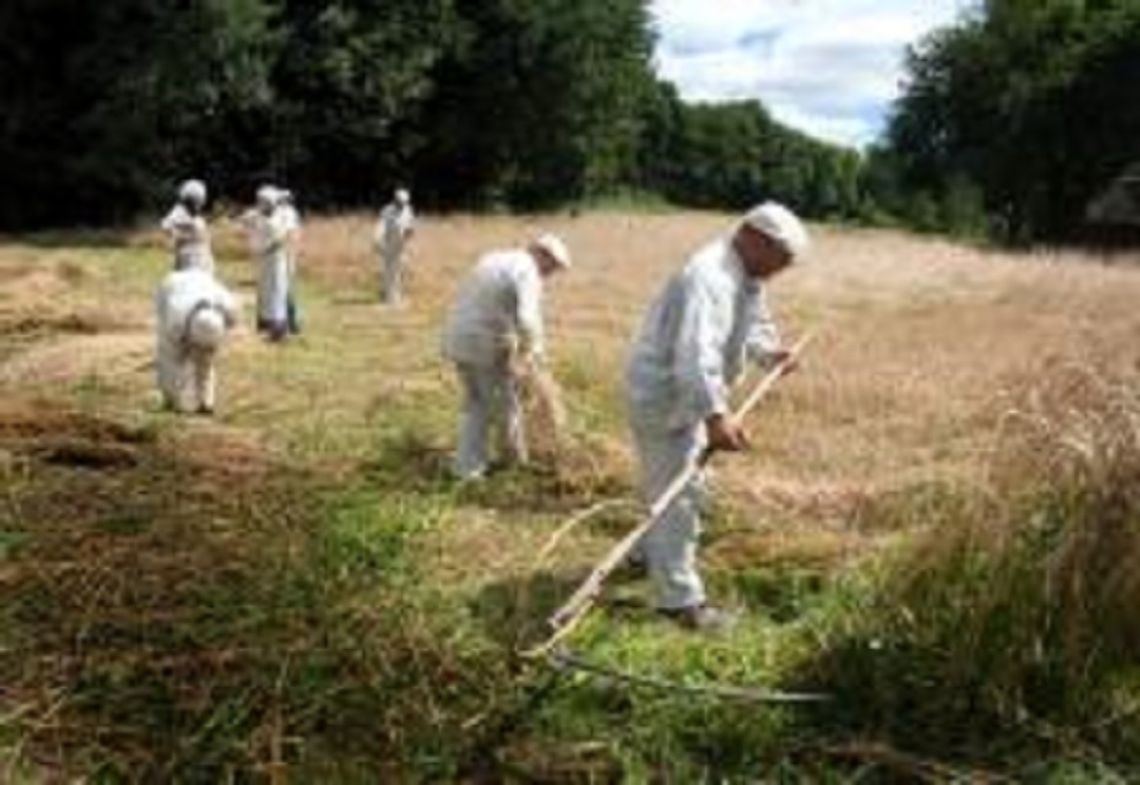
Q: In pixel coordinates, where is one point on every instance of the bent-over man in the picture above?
(193, 315)
(495, 326)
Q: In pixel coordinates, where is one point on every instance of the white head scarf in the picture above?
(193, 191)
(267, 196)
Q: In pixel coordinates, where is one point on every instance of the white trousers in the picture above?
(391, 275)
(180, 366)
(490, 399)
(273, 290)
(670, 547)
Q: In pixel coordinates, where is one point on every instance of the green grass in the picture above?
(301, 584)
(627, 201)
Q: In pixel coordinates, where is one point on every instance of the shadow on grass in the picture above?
(921, 689)
(513, 612)
(539, 488)
(407, 461)
(783, 595)
(893, 715)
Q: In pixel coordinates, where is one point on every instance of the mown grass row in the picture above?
(336, 610)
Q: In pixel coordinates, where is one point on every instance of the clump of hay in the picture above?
(63, 436)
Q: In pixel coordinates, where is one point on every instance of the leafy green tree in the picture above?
(541, 101)
(118, 99)
(1029, 102)
(525, 103)
(352, 83)
(735, 154)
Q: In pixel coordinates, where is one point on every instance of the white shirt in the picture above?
(696, 336)
(500, 299)
(396, 223)
(267, 233)
(191, 237)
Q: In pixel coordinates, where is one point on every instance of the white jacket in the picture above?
(710, 317)
(267, 233)
(268, 237)
(184, 292)
(392, 230)
(498, 302)
(191, 238)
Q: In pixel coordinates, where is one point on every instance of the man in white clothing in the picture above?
(395, 227)
(187, 228)
(710, 318)
(193, 314)
(288, 207)
(494, 327)
(268, 227)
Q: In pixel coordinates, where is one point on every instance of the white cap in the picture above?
(207, 329)
(267, 196)
(192, 191)
(402, 196)
(555, 248)
(782, 225)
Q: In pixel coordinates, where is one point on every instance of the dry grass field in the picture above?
(923, 344)
(294, 591)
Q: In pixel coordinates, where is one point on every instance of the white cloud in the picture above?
(828, 67)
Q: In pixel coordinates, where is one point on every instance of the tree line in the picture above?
(1011, 121)
(1015, 120)
(471, 103)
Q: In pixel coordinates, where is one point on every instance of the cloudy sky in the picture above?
(828, 67)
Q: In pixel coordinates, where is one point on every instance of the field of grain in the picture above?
(295, 591)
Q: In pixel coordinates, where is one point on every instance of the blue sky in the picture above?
(828, 67)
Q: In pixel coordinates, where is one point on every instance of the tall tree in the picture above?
(524, 103)
(116, 99)
(540, 101)
(352, 83)
(734, 154)
(1028, 104)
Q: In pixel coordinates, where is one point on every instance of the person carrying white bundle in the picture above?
(268, 227)
(710, 318)
(187, 228)
(193, 315)
(395, 227)
(495, 325)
